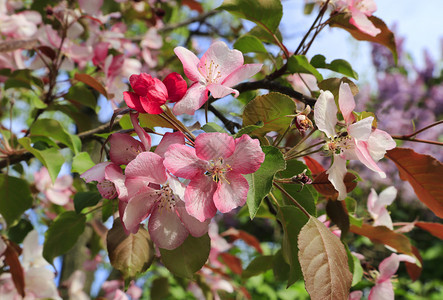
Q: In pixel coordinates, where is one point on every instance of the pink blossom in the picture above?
(75, 284)
(355, 295)
(150, 93)
(360, 10)
(217, 72)
(218, 245)
(377, 206)
(59, 192)
(355, 141)
(215, 169)
(383, 289)
(113, 290)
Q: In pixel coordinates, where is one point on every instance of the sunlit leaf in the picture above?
(300, 64)
(248, 129)
(248, 43)
(324, 262)
(82, 162)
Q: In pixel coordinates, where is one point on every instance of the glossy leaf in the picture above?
(62, 234)
(189, 257)
(248, 43)
(85, 199)
(338, 65)
(258, 265)
(130, 254)
(324, 262)
(265, 13)
(271, 109)
(264, 35)
(300, 64)
(260, 182)
(424, 173)
(15, 198)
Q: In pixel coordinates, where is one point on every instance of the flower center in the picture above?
(340, 143)
(166, 199)
(211, 72)
(217, 169)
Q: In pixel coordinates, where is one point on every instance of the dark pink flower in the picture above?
(215, 168)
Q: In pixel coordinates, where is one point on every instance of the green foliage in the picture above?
(337, 65)
(212, 127)
(259, 265)
(82, 162)
(248, 43)
(18, 232)
(85, 199)
(300, 64)
(15, 198)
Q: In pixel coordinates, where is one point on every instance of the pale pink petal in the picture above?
(194, 98)
(190, 62)
(120, 295)
(177, 187)
(182, 161)
(134, 291)
(138, 208)
(166, 229)
(361, 150)
(362, 129)
(194, 226)
(114, 174)
(58, 197)
(148, 166)
(373, 208)
(198, 197)
(346, 102)
(232, 191)
(96, 173)
(336, 175)
(90, 7)
(384, 219)
(387, 196)
(355, 295)
(388, 267)
(219, 91)
(169, 139)
(361, 21)
(144, 137)
(247, 157)
(379, 141)
(325, 113)
(219, 61)
(124, 148)
(382, 291)
(107, 189)
(63, 182)
(407, 258)
(241, 73)
(214, 145)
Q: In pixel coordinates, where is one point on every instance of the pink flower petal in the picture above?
(90, 7)
(388, 267)
(247, 157)
(219, 91)
(190, 62)
(198, 197)
(181, 161)
(144, 137)
(107, 189)
(124, 148)
(219, 61)
(194, 98)
(58, 197)
(361, 21)
(362, 129)
(176, 86)
(336, 174)
(232, 192)
(355, 295)
(166, 229)
(384, 219)
(147, 166)
(63, 182)
(214, 145)
(382, 291)
(379, 141)
(169, 139)
(325, 113)
(194, 226)
(241, 73)
(152, 105)
(96, 173)
(133, 101)
(346, 102)
(138, 208)
(361, 149)
(114, 174)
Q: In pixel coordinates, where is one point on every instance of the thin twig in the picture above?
(403, 138)
(292, 199)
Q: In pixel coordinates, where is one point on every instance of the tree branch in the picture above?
(230, 125)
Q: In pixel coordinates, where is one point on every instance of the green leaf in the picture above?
(51, 158)
(318, 61)
(248, 43)
(357, 270)
(265, 13)
(292, 220)
(189, 257)
(53, 129)
(85, 199)
(81, 94)
(264, 35)
(212, 127)
(62, 234)
(19, 231)
(248, 129)
(271, 109)
(300, 64)
(343, 67)
(110, 206)
(307, 196)
(160, 288)
(259, 265)
(280, 267)
(130, 254)
(82, 162)
(260, 182)
(15, 198)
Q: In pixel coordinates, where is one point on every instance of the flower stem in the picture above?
(292, 199)
(293, 149)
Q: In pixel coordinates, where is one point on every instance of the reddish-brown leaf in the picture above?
(338, 214)
(92, 82)
(324, 262)
(384, 235)
(322, 184)
(413, 270)
(48, 51)
(11, 259)
(424, 173)
(314, 166)
(436, 229)
(233, 262)
(385, 38)
(249, 239)
(194, 5)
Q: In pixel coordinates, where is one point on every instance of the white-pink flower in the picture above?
(383, 289)
(353, 141)
(360, 10)
(58, 192)
(217, 72)
(215, 169)
(377, 206)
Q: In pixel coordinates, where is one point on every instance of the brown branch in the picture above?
(411, 139)
(230, 125)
